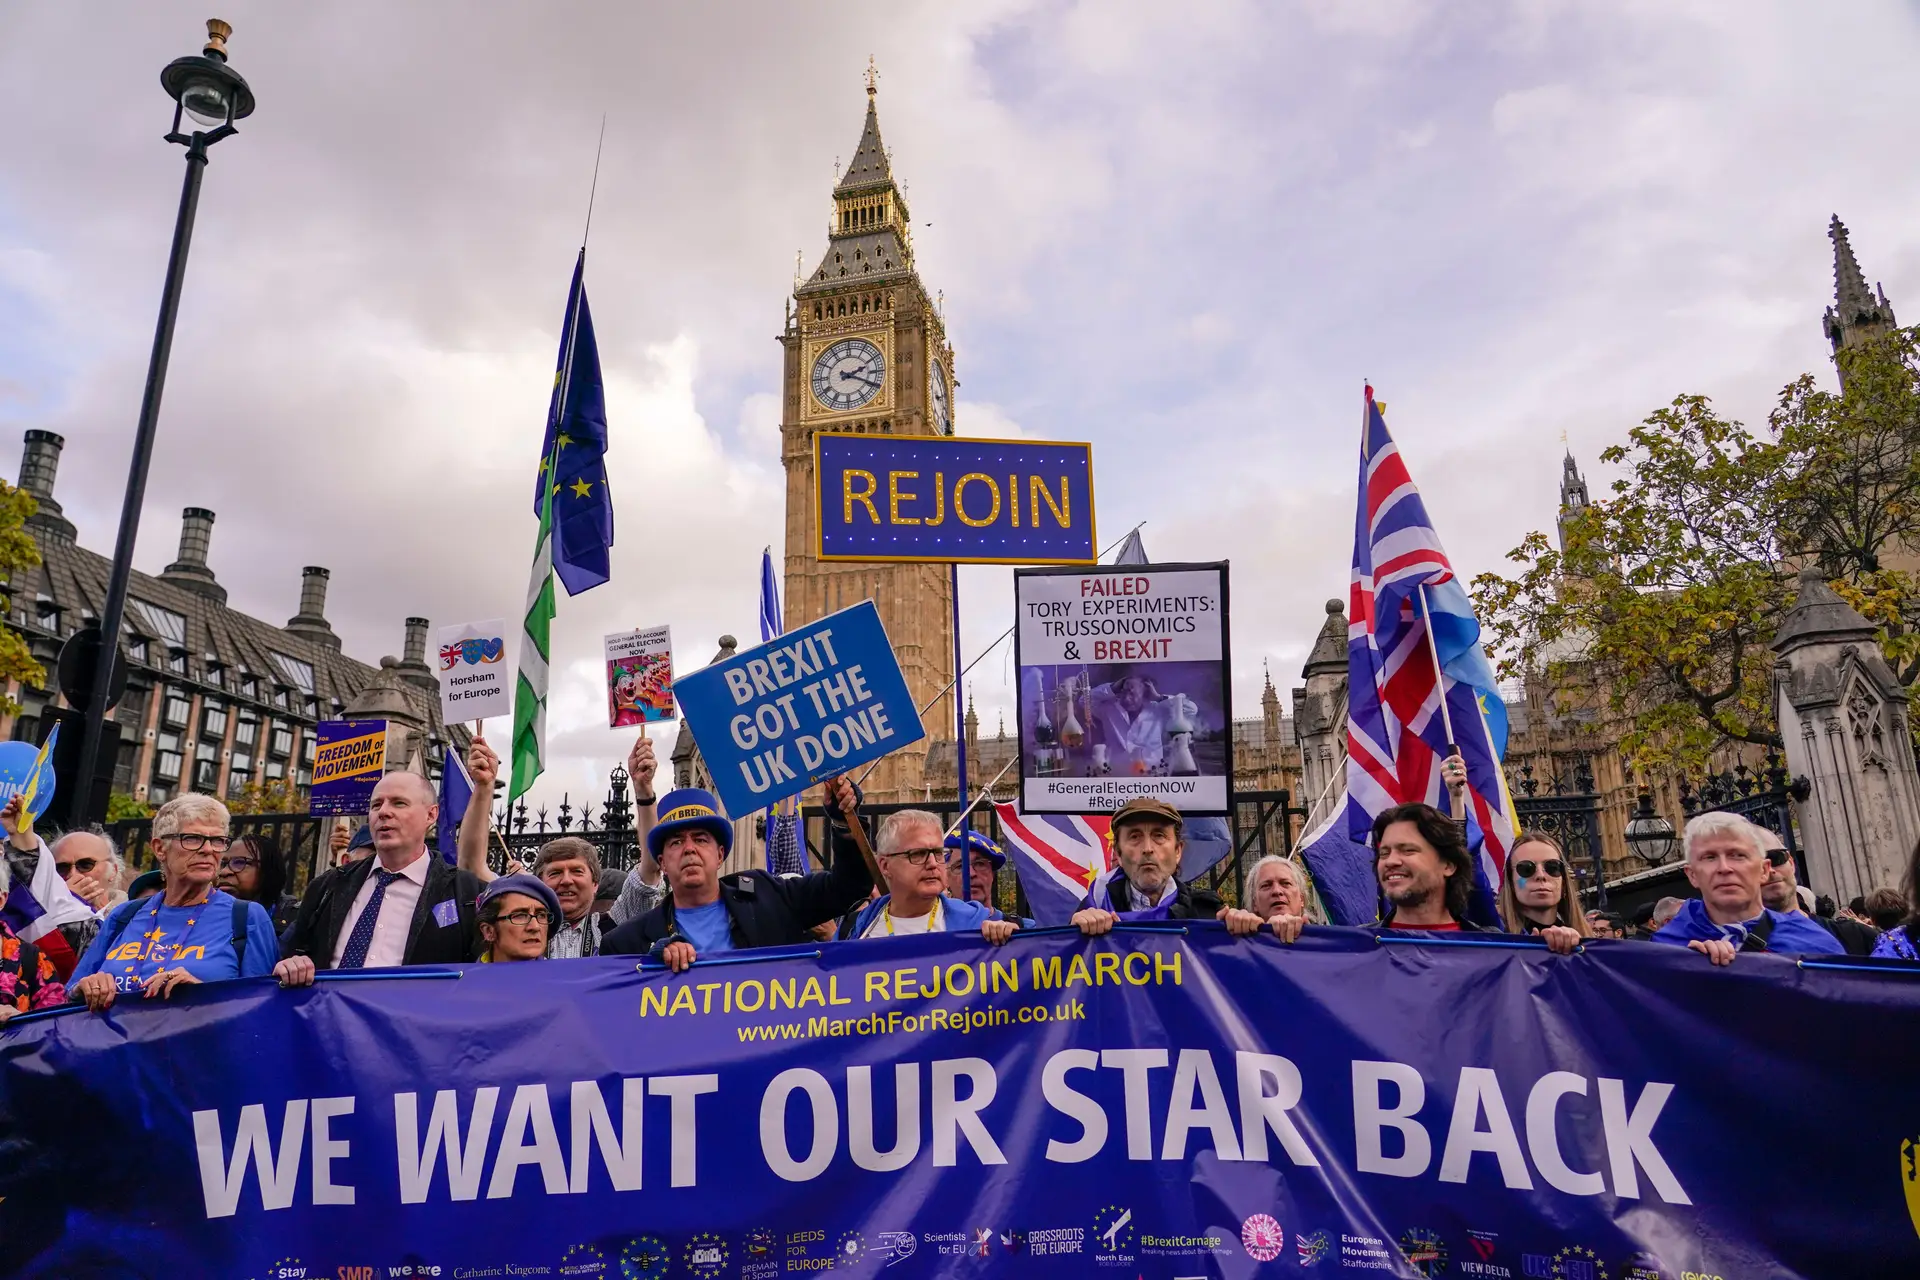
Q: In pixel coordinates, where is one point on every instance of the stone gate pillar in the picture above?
(1320, 712)
(1843, 716)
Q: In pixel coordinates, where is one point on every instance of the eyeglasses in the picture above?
(194, 842)
(84, 866)
(526, 916)
(1776, 857)
(239, 864)
(920, 857)
(1524, 870)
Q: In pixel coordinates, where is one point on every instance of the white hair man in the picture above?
(1727, 866)
(402, 906)
(912, 852)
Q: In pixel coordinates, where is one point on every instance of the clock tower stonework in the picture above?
(865, 351)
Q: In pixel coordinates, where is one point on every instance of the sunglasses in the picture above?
(1776, 857)
(84, 866)
(1552, 866)
(920, 857)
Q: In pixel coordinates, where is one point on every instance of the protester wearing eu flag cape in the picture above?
(1147, 843)
(1727, 865)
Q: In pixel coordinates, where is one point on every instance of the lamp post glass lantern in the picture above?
(208, 91)
(1650, 835)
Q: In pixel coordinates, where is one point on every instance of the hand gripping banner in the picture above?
(1161, 1102)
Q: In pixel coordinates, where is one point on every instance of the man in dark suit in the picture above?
(403, 906)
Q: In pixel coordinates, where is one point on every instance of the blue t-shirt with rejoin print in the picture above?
(197, 937)
(708, 928)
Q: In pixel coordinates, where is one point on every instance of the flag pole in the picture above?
(1440, 686)
(960, 741)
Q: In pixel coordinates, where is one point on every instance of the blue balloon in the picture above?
(16, 768)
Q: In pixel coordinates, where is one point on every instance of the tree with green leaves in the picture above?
(18, 552)
(1658, 612)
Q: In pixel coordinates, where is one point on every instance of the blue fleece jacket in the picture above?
(1793, 934)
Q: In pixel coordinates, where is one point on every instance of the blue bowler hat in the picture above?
(690, 807)
(978, 843)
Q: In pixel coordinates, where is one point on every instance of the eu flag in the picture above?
(573, 458)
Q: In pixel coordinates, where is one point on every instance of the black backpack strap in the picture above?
(1761, 933)
(240, 906)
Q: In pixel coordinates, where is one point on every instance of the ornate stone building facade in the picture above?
(866, 351)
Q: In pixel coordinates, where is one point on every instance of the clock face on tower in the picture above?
(848, 374)
(942, 409)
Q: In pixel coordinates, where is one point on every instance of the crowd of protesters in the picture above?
(217, 905)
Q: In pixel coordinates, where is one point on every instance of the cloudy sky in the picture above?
(1186, 233)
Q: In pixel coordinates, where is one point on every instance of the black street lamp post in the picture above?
(205, 88)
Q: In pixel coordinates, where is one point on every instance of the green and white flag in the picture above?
(530, 690)
(576, 521)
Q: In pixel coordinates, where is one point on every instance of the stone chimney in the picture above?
(190, 570)
(311, 622)
(413, 666)
(39, 462)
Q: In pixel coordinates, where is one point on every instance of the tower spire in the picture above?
(1857, 314)
(1573, 494)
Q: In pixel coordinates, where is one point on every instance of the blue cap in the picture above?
(531, 886)
(978, 843)
(362, 838)
(690, 807)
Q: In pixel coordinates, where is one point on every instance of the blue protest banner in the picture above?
(937, 498)
(349, 758)
(817, 701)
(1162, 1102)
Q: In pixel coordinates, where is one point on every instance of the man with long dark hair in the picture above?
(1425, 870)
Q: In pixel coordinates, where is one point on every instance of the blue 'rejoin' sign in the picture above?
(817, 701)
(935, 498)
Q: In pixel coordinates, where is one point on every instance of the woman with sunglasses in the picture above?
(1538, 895)
(254, 870)
(190, 932)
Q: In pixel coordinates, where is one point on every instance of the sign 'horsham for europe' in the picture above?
(934, 498)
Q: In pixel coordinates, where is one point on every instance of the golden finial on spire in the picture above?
(873, 76)
(1563, 435)
(797, 267)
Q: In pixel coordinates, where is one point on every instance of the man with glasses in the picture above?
(912, 852)
(403, 906)
(1726, 865)
(706, 912)
(63, 924)
(516, 916)
(1781, 892)
(983, 861)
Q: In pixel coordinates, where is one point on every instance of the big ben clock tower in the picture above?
(866, 352)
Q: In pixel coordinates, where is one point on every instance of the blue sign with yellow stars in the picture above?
(938, 499)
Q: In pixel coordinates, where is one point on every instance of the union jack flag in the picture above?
(1411, 632)
(1056, 858)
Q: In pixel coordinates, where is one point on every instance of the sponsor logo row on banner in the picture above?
(1111, 1240)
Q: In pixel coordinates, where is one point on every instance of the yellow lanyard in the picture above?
(933, 925)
